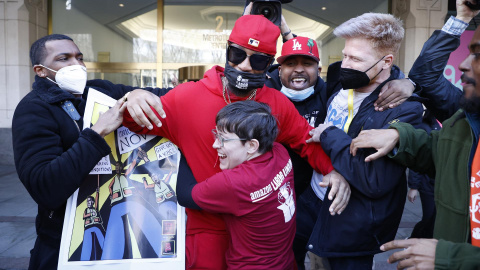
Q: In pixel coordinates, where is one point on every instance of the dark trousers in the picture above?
(43, 256)
(308, 206)
(351, 263)
(424, 228)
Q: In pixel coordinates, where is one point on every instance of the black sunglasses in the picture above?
(257, 61)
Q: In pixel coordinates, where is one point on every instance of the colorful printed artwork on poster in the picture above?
(127, 207)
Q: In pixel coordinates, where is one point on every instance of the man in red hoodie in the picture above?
(189, 113)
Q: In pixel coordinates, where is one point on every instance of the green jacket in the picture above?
(445, 155)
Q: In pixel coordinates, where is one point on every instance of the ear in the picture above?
(252, 146)
(319, 70)
(388, 61)
(40, 71)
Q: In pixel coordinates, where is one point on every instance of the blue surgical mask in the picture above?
(295, 95)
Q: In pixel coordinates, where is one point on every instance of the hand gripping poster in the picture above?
(125, 215)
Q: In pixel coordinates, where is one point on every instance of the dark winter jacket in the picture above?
(378, 187)
(427, 71)
(52, 156)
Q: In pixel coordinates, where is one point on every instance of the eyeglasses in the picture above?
(257, 61)
(218, 137)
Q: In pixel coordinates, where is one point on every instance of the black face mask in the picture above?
(354, 79)
(243, 82)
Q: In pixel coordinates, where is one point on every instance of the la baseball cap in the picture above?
(299, 46)
(257, 33)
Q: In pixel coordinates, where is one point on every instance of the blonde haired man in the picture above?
(351, 239)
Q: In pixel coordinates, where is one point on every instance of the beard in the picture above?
(471, 104)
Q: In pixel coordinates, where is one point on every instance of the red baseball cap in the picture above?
(257, 33)
(299, 46)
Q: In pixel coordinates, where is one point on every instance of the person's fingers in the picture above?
(334, 190)
(385, 99)
(122, 108)
(385, 92)
(336, 204)
(248, 9)
(354, 147)
(358, 142)
(397, 101)
(157, 105)
(148, 112)
(345, 200)
(323, 184)
(119, 103)
(140, 117)
(407, 264)
(143, 120)
(397, 244)
(398, 256)
(325, 181)
(133, 113)
(374, 156)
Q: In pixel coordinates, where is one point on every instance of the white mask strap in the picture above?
(46, 67)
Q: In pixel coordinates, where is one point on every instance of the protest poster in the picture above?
(125, 215)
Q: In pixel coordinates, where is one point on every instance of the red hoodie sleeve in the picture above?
(294, 131)
(168, 102)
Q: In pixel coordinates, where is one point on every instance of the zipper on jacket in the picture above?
(51, 214)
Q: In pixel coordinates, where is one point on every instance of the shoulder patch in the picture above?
(394, 121)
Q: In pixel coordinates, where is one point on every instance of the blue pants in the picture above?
(88, 243)
(114, 245)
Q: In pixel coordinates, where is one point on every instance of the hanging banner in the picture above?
(125, 215)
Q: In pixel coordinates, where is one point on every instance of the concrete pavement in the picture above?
(17, 221)
(18, 211)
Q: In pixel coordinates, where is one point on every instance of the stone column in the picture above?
(21, 23)
(421, 18)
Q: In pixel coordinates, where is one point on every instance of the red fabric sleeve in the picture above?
(216, 195)
(294, 131)
(168, 102)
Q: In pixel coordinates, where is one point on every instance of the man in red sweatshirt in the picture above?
(189, 113)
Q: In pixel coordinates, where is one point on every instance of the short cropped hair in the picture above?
(249, 120)
(384, 31)
(38, 52)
